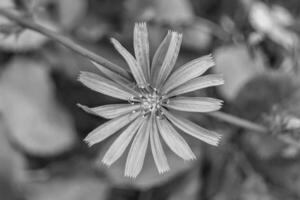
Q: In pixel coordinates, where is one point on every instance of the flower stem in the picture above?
(67, 42)
(237, 121)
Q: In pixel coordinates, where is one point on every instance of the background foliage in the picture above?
(256, 47)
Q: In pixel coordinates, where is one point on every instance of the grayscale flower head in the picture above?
(151, 91)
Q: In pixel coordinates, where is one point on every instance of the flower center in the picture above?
(151, 103)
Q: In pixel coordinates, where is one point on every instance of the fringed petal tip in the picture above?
(218, 140)
(88, 142)
(140, 24)
(106, 162)
(164, 170)
(214, 140)
(174, 32)
(86, 109)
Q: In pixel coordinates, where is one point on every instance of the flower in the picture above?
(152, 90)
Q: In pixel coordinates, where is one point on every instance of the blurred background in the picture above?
(256, 47)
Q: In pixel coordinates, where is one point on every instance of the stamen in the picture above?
(133, 100)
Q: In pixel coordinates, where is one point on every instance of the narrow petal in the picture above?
(112, 110)
(161, 73)
(194, 104)
(136, 70)
(160, 54)
(187, 72)
(193, 129)
(197, 84)
(137, 152)
(124, 83)
(103, 85)
(118, 147)
(107, 129)
(157, 149)
(174, 140)
(116, 69)
(141, 47)
(112, 75)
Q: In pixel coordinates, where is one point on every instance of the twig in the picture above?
(111, 66)
(239, 122)
(65, 41)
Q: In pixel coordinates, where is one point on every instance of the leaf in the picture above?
(198, 36)
(37, 122)
(13, 166)
(273, 23)
(73, 188)
(194, 104)
(76, 12)
(237, 67)
(174, 12)
(26, 39)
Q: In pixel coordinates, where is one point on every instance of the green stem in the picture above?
(111, 66)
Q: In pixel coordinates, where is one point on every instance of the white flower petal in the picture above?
(193, 129)
(187, 72)
(174, 140)
(160, 54)
(157, 149)
(103, 85)
(194, 104)
(197, 84)
(107, 129)
(118, 147)
(137, 152)
(141, 47)
(111, 111)
(126, 84)
(136, 70)
(161, 73)
(112, 75)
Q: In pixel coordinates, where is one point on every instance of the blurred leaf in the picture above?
(25, 39)
(173, 12)
(255, 188)
(190, 187)
(12, 168)
(67, 14)
(197, 36)
(237, 66)
(75, 188)
(7, 27)
(139, 10)
(76, 11)
(272, 22)
(36, 121)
